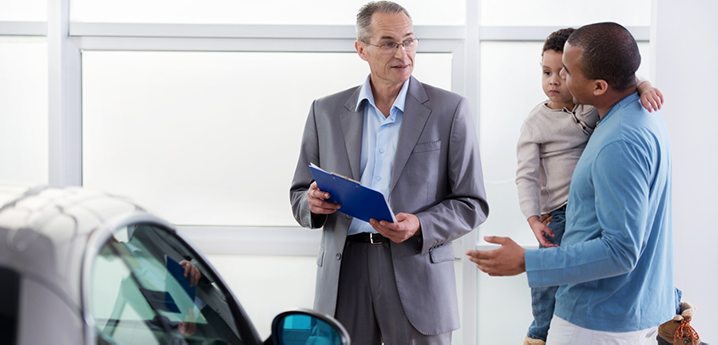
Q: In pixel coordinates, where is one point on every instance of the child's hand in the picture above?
(651, 97)
(546, 218)
(541, 231)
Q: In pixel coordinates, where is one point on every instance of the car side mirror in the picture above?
(307, 327)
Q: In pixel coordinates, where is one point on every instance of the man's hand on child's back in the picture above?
(541, 230)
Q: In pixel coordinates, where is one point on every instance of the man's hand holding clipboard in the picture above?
(325, 200)
(354, 199)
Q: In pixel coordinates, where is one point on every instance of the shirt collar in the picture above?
(634, 97)
(366, 94)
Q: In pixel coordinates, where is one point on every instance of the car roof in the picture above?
(45, 232)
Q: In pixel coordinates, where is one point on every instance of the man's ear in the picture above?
(361, 50)
(600, 87)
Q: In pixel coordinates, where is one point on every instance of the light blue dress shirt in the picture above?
(380, 137)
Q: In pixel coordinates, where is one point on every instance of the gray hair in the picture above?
(363, 25)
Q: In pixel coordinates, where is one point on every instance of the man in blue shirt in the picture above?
(615, 265)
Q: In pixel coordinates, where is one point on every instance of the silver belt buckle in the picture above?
(371, 239)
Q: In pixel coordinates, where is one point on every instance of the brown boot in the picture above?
(679, 330)
(532, 341)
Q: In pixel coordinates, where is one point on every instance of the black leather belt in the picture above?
(368, 237)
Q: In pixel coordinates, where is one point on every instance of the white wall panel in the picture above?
(686, 46)
(565, 12)
(281, 12)
(23, 10)
(209, 138)
(23, 110)
(268, 285)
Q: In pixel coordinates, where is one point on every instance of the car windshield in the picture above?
(148, 289)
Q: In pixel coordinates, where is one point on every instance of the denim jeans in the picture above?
(543, 299)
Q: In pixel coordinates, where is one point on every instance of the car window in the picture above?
(10, 292)
(140, 294)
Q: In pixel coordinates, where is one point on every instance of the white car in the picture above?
(84, 267)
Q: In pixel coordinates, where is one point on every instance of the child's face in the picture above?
(553, 85)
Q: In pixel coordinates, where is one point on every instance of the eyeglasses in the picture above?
(390, 47)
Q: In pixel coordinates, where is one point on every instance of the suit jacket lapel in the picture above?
(352, 123)
(416, 113)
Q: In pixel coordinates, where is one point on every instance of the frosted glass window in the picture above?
(564, 12)
(500, 299)
(23, 10)
(207, 138)
(322, 12)
(510, 88)
(268, 285)
(23, 110)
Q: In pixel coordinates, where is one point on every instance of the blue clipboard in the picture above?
(357, 201)
(176, 271)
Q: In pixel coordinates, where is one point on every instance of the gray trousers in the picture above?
(368, 302)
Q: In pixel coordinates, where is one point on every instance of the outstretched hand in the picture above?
(507, 260)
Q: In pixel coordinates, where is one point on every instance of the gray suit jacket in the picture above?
(437, 176)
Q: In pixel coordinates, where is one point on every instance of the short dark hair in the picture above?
(609, 52)
(556, 40)
(363, 24)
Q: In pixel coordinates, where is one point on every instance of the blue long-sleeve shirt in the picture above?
(615, 264)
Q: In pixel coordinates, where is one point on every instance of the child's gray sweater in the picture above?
(548, 149)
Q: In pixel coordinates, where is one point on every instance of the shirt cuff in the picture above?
(532, 261)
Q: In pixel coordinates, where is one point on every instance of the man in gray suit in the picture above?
(391, 282)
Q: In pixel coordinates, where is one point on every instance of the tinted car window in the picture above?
(140, 294)
(10, 292)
